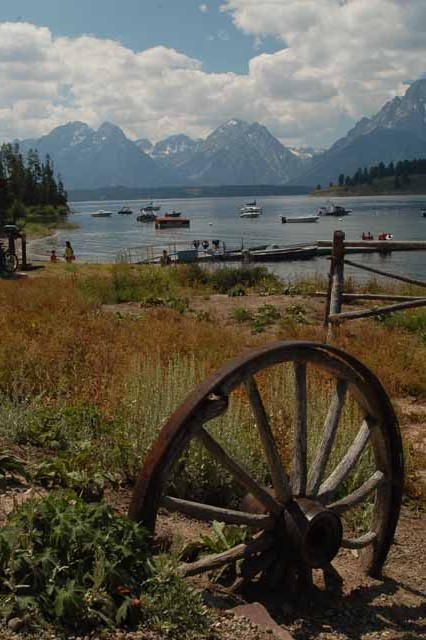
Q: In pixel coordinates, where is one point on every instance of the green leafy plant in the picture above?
(57, 473)
(242, 315)
(222, 538)
(63, 561)
(171, 605)
(82, 567)
(297, 313)
(11, 468)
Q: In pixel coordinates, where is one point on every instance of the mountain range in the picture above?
(237, 153)
(396, 132)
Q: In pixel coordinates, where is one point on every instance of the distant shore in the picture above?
(383, 187)
(164, 193)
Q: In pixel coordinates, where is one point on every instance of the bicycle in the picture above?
(8, 261)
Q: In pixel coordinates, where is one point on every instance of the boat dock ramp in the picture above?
(215, 251)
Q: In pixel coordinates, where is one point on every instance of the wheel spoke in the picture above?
(359, 543)
(231, 555)
(279, 477)
(345, 466)
(359, 495)
(240, 475)
(299, 471)
(208, 512)
(324, 448)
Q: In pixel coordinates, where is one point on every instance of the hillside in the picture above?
(396, 132)
(380, 187)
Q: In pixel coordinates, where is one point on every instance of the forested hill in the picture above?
(28, 180)
(407, 176)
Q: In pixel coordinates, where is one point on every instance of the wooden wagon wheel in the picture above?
(298, 520)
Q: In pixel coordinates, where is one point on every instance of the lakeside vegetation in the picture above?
(85, 386)
(403, 177)
(30, 195)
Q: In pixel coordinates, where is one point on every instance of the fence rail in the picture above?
(335, 295)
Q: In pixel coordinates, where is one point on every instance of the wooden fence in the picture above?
(335, 296)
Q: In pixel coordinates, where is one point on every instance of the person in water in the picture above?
(53, 256)
(69, 252)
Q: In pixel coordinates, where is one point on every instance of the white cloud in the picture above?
(338, 62)
(203, 8)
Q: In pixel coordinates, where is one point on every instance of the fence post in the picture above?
(336, 282)
(24, 251)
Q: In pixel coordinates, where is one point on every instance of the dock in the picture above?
(184, 252)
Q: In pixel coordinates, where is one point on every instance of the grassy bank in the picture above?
(40, 220)
(93, 360)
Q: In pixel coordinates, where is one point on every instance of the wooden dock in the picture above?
(266, 253)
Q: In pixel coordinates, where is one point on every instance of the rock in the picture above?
(15, 624)
(257, 614)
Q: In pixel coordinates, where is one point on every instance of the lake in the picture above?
(102, 239)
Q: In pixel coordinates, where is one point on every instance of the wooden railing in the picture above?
(335, 295)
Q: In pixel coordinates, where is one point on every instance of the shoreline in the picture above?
(337, 194)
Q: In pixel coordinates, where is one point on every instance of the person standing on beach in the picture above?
(69, 252)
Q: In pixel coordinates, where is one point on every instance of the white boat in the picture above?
(246, 213)
(333, 210)
(150, 206)
(299, 219)
(102, 214)
(250, 207)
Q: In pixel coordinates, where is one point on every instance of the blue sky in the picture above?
(306, 69)
(208, 35)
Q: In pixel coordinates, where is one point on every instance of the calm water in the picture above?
(101, 239)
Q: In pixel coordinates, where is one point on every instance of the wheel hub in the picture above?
(315, 532)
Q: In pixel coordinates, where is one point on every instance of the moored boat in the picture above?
(249, 213)
(250, 207)
(173, 214)
(146, 216)
(332, 209)
(299, 219)
(102, 214)
(125, 211)
(149, 206)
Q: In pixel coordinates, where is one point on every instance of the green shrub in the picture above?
(242, 315)
(66, 563)
(226, 278)
(171, 605)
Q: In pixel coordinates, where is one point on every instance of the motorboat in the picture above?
(146, 216)
(102, 214)
(125, 211)
(250, 207)
(173, 214)
(367, 236)
(151, 207)
(299, 219)
(247, 213)
(424, 213)
(332, 209)
(385, 236)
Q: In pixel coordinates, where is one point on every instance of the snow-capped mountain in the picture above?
(239, 153)
(86, 158)
(396, 132)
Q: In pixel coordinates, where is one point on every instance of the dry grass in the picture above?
(59, 350)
